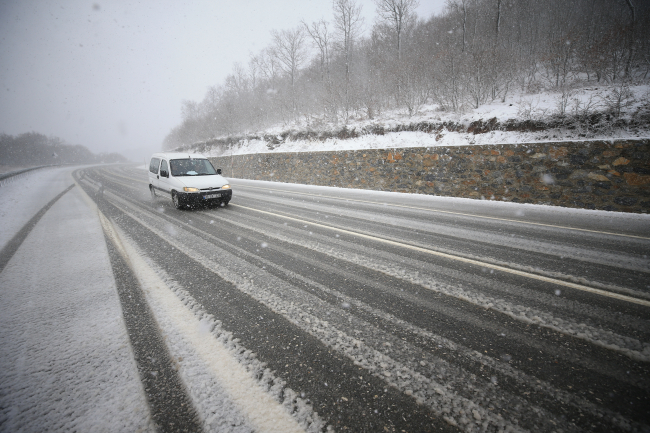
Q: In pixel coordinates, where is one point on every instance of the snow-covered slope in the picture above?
(594, 112)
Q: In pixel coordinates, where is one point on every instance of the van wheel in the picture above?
(177, 200)
(153, 193)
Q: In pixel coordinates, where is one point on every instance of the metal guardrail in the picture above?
(18, 174)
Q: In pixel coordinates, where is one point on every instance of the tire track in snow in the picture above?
(547, 243)
(527, 255)
(354, 304)
(209, 366)
(230, 402)
(455, 214)
(436, 306)
(396, 243)
(526, 381)
(384, 366)
(170, 404)
(390, 408)
(631, 347)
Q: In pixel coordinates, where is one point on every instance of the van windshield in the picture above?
(191, 167)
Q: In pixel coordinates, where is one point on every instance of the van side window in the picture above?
(163, 166)
(153, 165)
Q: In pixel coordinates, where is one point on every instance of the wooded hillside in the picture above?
(475, 52)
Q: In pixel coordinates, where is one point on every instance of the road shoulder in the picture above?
(67, 363)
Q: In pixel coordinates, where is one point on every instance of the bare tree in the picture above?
(269, 66)
(471, 53)
(498, 21)
(322, 40)
(463, 7)
(291, 54)
(238, 80)
(254, 70)
(397, 14)
(347, 22)
(189, 110)
(631, 44)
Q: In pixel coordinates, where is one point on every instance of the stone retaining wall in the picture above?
(608, 175)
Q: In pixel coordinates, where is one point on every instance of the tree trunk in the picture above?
(631, 47)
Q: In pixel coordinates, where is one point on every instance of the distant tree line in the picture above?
(475, 52)
(33, 149)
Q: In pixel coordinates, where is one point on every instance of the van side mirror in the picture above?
(164, 173)
(218, 171)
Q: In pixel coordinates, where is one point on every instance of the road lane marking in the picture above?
(448, 212)
(588, 289)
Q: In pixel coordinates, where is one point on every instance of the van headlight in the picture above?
(190, 189)
(225, 186)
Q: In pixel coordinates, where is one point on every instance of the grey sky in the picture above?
(111, 75)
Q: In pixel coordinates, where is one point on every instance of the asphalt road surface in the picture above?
(368, 312)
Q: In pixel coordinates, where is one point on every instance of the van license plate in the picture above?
(205, 197)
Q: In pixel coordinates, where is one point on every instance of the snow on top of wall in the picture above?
(518, 106)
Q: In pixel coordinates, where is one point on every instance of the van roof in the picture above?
(178, 155)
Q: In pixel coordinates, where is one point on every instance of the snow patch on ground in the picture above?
(539, 106)
(406, 139)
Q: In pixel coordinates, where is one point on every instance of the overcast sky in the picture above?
(111, 75)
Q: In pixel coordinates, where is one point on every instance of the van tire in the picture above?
(178, 204)
(153, 193)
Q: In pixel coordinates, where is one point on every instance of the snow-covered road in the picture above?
(310, 309)
(67, 361)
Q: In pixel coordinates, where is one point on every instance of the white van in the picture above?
(188, 179)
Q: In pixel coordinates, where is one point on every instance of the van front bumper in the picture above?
(206, 197)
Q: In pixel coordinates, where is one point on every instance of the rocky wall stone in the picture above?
(607, 175)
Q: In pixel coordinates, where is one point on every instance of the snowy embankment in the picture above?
(455, 129)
